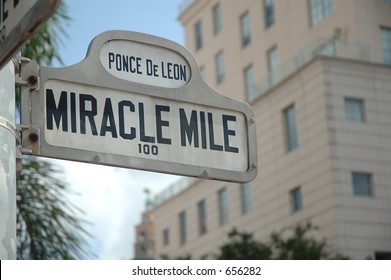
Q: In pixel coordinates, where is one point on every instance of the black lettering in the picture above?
(122, 132)
(188, 129)
(149, 67)
(228, 132)
(203, 130)
(160, 123)
(108, 116)
(118, 62)
(212, 144)
(125, 63)
(176, 71)
(57, 112)
(111, 59)
(163, 75)
(138, 60)
(90, 114)
(16, 2)
(143, 137)
(182, 70)
(132, 69)
(152, 69)
(73, 113)
(155, 70)
(169, 70)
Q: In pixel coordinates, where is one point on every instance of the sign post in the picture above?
(18, 21)
(138, 101)
(7, 164)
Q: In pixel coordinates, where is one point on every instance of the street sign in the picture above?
(138, 101)
(18, 21)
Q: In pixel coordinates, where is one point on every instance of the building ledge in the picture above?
(321, 47)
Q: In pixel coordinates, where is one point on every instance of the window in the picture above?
(202, 217)
(198, 35)
(249, 82)
(269, 12)
(182, 228)
(166, 237)
(354, 110)
(272, 65)
(296, 200)
(362, 184)
(319, 9)
(223, 206)
(245, 193)
(217, 19)
(142, 237)
(290, 128)
(220, 67)
(245, 28)
(385, 36)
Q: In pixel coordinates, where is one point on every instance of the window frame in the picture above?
(217, 19)
(268, 8)
(223, 206)
(220, 67)
(245, 29)
(351, 111)
(296, 199)
(318, 10)
(166, 237)
(290, 128)
(198, 35)
(356, 188)
(202, 216)
(273, 62)
(245, 197)
(249, 82)
(182, 228)
(385, 44)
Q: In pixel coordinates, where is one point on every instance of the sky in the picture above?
(112, 199)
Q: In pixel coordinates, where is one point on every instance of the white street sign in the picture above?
(138, 101)
(18, 21)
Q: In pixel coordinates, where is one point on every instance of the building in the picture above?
(317, 74)
(144, 248)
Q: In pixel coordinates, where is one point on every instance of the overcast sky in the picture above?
(113, 198)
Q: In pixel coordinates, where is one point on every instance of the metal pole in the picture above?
(7, 163)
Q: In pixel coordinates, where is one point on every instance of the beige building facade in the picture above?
(317, 74)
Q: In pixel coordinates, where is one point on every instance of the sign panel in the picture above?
(116, 122)
(144, 64)
(138, 101)
(18, 20)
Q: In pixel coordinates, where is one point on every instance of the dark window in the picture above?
(296, 200)
(198, 35)
(269, 12)
(362, 184)
(202, 217)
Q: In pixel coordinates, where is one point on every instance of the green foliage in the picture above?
(298, 246)
(289, 244)
(43, 46)
(242, 246)
(184, 257)
(293, 243)
(47, 223)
